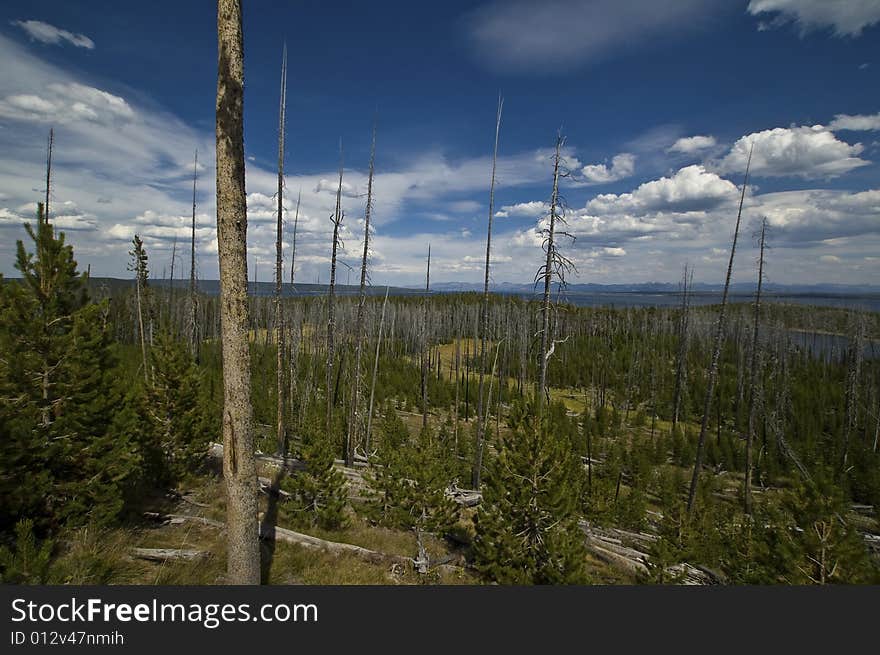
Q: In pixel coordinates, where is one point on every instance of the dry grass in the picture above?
(91, 556)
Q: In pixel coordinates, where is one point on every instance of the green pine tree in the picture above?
(527, 525)
(58, 373)
(410, 479)
(320, 494)
(27, 563)
(173, 430)
(823, 546)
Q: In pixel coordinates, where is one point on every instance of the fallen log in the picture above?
(300, 539)
(165, 554)
(464, 497)
(617, 560)
(272, 532)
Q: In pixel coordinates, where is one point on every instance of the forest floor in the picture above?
(109, 556)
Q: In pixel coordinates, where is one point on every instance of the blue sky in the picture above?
(659, 103)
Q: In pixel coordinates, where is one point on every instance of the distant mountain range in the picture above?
(212, 287)
(668, 287)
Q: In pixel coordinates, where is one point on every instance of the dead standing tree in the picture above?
(687, 280)
(855, 353)
(279, 260)
(355, 421)
(239, 465)
(556, 266)
(293, 244)
(192, 319)
(716, 352)
(48, 171)
(753, 383)
(425, 343)
(336, 219)
(375, 373)
(484, 316)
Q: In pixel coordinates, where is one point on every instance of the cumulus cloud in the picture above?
(844, 17)
(555, 34)
(64, 216)
(857, 123)
(532, 209)
(617, 236)
(46, 33)
(330, 186)
(622, 166)
(807, 152)
(692, 188)
(62, 103)
(816, 215)
(690, 145)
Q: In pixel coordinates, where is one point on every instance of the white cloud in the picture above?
(857, 123)
(556, 34)
(817, 215)
(807, 152)
(532, 209)
(692, 144)
(65, 216)
(46, 33)
(131, 172)
(844, 17)
(691, 189)
(325, 185)
(61, 103)
(622, 166)
(617, 236)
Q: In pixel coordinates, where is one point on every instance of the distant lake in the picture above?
(667, 299)
(830, 347)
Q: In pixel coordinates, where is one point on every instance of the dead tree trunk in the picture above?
(853, 376)
(716, 353)
(293, 245)
(484, 314)
(354, 423)
(193, 307)
(546, 272)
(753, 391)
(375, 373)
(336, 219)
(279, 259)
(683, 333)
(239, 466)
(48, 171)
(425, 344)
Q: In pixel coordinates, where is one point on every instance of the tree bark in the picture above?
(716, 353)
(753, 391)
(354, 423)
(484, 313)
(239, 467)
(336, 219)
(279, 260)
(193, 308)
(547, 274)
(425, 344)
